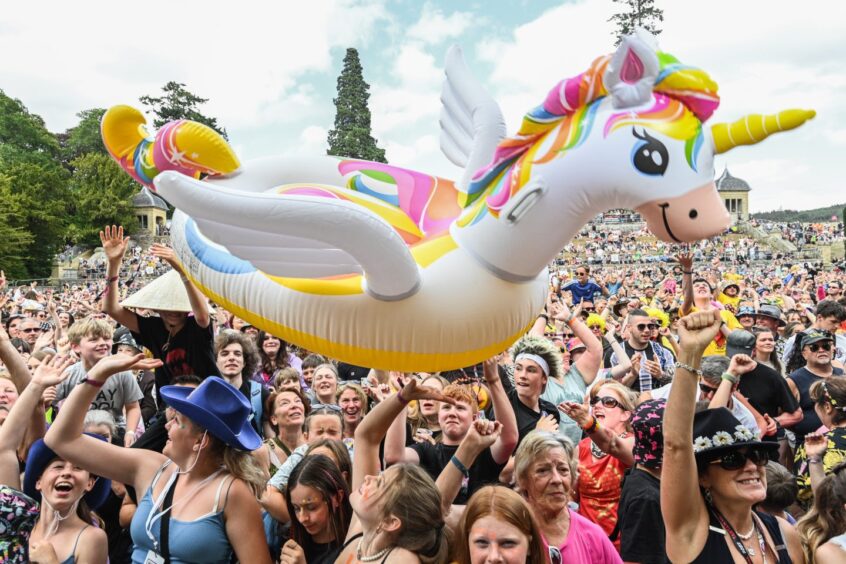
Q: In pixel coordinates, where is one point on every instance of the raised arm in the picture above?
(199, 303)
(686, 262)
(606, 439)
(815, 446)
(683, 509)
(13, 361)
(504, 413)
(375, 425)
(49, 373)
(395, 449)
(624, 363)
(125, 465)
(114, 245)
(590, 361)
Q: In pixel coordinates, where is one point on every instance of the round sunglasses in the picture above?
(736, 459)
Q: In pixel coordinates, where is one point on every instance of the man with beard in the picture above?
(829, 315)
(655, 367)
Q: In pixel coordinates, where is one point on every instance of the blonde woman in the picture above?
(606, 453)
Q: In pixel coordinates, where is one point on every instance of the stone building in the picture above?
(735, 194)
(151, 212)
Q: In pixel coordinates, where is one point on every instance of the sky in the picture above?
(269, 69)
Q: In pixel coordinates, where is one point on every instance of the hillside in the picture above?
(805, 216)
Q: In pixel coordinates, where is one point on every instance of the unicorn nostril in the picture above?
(693, 214)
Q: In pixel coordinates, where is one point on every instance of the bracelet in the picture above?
(730, 377)
(545, 316)
(570, 319)
(402, 399)
(463, 469)
(184, 278)
(815, 460)
(593, 427)
(111, 279)
(131, 433)
(689, 368)
(687, 272)
(94, 383)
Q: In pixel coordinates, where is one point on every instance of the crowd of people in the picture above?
(688, 410)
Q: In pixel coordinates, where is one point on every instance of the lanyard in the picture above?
(152, 517)
(744, 552)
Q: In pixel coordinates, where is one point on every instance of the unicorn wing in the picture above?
(471, 121)
(298, 236)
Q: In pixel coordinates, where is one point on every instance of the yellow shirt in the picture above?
(718, 345)
(725, 300)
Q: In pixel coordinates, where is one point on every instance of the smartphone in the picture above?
(365, 382)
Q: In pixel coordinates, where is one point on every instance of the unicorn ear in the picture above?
(632, 71)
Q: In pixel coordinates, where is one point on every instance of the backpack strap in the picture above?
(255, 400)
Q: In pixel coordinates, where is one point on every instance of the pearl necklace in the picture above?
(372, 557)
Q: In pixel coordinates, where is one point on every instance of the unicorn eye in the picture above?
(649, 155)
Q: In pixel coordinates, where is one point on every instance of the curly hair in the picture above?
(280, 360)
(543, 348)
(251, 358)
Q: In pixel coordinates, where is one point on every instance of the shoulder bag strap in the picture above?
(164, 527)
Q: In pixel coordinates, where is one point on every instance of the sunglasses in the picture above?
(555, 555)
(706, 389)
(736, 460)
(31, 330)
(607, 401)
(645, 326)
(325, 407)
(825, 345)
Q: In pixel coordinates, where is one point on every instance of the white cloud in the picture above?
(434, 27)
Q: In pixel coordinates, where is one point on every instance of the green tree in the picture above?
(351, 136)
(84, 137)
(634, 14)
(178, 103)
(23, 136)
(39, 194)
(16, 239)
(101, 193)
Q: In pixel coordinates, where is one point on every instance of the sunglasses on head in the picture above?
(318, 410)
(825, 345)
(555, 555)
(645, 326)
(736, 460)
(606, 401)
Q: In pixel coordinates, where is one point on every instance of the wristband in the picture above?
(687, 272)
(730, 377)
(459, 465)
(402, 399)
(131, 433)
(689, 368)
(593, 427)
(545, 316)
(111, 279)
(815, 460)
(94, 383)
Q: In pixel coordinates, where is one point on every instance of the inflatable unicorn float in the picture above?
(390, 268)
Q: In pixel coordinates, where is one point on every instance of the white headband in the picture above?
(541, 362)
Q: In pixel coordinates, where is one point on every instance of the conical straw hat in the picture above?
(165, 293)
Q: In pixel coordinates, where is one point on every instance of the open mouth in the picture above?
(63, 487)
(664, 207)
(750, 482)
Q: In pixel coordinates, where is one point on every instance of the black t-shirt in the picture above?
(527, 418)
(804, 378)
(642, 533)
(351, 372)
(484, 471)
(767, 391)
(190, 351)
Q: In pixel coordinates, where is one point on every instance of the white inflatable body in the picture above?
(390, 268)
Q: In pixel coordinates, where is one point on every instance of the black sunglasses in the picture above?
(825, 345)
(645, 326)
(555, 555)
(706, 389)
(736, 460)
(607, 401)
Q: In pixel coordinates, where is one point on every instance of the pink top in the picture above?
(586, 543)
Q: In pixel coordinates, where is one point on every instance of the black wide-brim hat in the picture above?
(773, 312)
(40, 455)
(218, 407)
(717, 431)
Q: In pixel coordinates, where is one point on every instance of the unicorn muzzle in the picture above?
(696, 215)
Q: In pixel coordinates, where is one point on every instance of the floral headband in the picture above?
(722, 438)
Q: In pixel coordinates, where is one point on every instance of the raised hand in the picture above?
(52, 371)
(44, 340)
(115, 363)
(166, 254)
(741, 364)
(114, 243)
(483, 433)
(292, 553)
(2, 279)
(685, 260)
(816, 444)
(411, 391)
(575, 411)
(696, 330)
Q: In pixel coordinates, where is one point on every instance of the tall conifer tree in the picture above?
(351, 136)
(636, 13)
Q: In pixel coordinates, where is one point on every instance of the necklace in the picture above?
(372, 557)
(748, 535)
(596, 451)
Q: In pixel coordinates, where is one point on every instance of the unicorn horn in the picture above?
(754, 128)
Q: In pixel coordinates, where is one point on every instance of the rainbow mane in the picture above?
(685, 97)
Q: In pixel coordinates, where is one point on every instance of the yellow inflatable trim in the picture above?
(424, 254)
(403, 361)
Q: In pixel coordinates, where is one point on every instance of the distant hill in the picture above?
(805, 216)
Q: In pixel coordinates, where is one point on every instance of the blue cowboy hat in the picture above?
(40, 455)
(218, 407)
